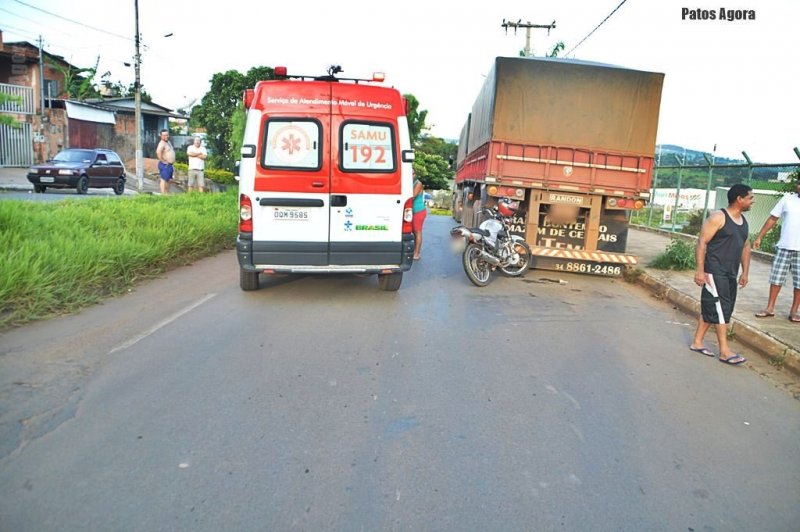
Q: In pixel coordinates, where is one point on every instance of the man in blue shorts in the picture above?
(722, 246)
(166, 159)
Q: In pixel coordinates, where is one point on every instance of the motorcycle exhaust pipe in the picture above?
(491, 259)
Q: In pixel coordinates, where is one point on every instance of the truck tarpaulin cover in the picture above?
(558, 102)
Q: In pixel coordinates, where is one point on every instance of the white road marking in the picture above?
(159, 325)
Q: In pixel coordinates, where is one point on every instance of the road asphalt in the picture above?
(775, 338)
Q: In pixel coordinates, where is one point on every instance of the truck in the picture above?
(572, 141)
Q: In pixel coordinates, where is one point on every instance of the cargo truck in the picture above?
(574, 142)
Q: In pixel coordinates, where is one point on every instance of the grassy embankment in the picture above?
(60, 257)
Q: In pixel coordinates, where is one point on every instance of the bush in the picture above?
(770, 239)
(679, 255)
(221, 177)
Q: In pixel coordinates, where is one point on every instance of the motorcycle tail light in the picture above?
(245, 214)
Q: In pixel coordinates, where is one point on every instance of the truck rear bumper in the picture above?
(579, 254)
(579, 261)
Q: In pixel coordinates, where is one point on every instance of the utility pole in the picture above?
(41, 76)
(527, 26)
(137, 100)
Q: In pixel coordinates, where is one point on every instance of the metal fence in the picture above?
(20, 101)
(711, 180)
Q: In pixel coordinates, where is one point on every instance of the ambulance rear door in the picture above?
(366, 212)
(292, 183)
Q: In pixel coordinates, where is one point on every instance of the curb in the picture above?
(771, 349)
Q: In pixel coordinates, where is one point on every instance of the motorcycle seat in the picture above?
(480, 231)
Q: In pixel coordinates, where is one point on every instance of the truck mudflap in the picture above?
(600, 263)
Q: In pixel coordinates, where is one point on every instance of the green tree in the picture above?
(416, 118)
(78, 82)
(216, 110)
(433, 170)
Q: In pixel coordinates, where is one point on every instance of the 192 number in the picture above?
(367, 152)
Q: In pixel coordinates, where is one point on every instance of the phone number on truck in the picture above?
(594, 269)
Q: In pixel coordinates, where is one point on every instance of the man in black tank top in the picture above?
(722, 246)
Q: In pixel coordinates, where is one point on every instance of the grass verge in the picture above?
(60, 257)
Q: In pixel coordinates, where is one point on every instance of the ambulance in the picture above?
(325, 179)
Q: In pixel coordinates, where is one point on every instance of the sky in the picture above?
(729, 84)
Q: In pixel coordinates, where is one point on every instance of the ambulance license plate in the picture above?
(290, 214)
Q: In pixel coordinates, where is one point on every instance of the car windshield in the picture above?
(74, 156)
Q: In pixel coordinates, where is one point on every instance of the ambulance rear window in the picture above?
(367, 147)
(292, 144)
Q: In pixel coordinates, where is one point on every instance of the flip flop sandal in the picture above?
(734, 360)
(702, 351)
(764, 314)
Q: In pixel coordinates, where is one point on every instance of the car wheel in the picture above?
(390, 282)
(248, 280)
(119, 186)
(39, 189)
(83, 185)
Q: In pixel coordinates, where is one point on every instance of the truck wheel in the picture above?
(478, 270)
(83, 185)
(248, 280)
(523, 262)
(390, 282)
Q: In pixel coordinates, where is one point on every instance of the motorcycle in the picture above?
(491, 245)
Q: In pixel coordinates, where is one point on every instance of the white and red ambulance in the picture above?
(325, 179)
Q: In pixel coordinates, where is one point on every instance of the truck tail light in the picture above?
(245, 214)
(408, 215)
(638, 204)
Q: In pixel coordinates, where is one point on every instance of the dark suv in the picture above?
(81, 169)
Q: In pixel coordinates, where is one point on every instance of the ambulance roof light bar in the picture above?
(282, 72)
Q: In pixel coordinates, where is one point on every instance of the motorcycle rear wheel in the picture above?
(478, 270)
(524, 262)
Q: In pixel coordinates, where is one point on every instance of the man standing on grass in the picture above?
(787, 252)
(197, 163)
(721, 247)
(166, 159)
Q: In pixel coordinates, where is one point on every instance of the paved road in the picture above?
(322, 403)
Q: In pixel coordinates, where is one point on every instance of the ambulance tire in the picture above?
(390, 282)
(248, 280)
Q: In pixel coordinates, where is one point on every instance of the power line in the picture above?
(74, 21)
(591, 32)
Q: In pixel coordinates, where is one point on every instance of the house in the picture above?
(21, 79)
(62, 122)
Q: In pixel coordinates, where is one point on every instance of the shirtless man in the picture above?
(166, 158)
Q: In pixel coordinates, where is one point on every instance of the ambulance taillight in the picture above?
(245, 214)
(247, 97)
(408, 216)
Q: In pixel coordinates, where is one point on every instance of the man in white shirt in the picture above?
(197, 164)
(787, 253)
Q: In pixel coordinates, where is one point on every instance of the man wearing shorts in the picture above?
(197, 163)
(787, 252)
(721, 247)
(166, 159)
